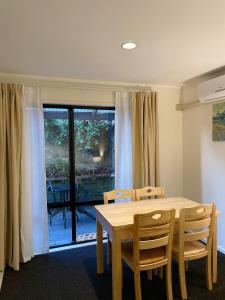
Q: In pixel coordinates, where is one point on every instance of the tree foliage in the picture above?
(56, 131)
(87, 132)
(87, 137)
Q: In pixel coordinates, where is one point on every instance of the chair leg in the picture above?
(109, 252)
(155, 272)
(149, 274)
(182, 280)
(160, 272)
(122, 272)
(186, 266)
(137, 285)
(169, 289)
(209, 272)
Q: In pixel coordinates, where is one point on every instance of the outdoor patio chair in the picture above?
(62, 191)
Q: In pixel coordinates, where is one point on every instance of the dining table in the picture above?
(117, 219)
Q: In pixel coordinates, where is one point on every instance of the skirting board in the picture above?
(74, 246)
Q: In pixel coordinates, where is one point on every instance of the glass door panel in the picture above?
(94, 165)
(56, 122)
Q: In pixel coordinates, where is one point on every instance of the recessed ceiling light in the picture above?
(129, 45)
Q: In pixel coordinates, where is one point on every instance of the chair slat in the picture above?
(149, 192)
(156, 243)
(197, 213)
(197, 224)
(153, 231)
(119, 194)
(153, 219)
(195, 236)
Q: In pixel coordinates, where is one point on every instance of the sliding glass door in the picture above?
(94, 165)
(57, 163)
(79, 168)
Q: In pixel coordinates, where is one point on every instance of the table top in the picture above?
(122, 214)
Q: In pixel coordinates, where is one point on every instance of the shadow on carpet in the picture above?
(71, 275)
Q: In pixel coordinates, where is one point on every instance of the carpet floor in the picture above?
(71, 275)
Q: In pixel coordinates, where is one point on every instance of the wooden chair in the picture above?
(195, 224)
(151, 246)
(149, 192)
(111, 197)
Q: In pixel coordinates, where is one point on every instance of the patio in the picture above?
(85, 227)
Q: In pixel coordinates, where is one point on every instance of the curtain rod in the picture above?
(136, 91)
(46, 82)
(77, 87)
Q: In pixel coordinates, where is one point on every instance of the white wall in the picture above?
(170, 126)
(204, 162)
(170, 141)
(76, 96)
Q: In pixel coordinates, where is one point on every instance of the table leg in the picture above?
(214, 253)
(100, 264)
(116, 267)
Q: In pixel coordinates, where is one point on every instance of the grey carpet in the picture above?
(71, 275)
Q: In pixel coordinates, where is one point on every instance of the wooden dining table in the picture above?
(117, 220)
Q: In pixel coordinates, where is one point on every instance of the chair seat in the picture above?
(149, 256)
(190, 248)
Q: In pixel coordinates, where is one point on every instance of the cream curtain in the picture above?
(145, 140)
(10, 172)
(34, 215)
(123, 140)
(23, 202)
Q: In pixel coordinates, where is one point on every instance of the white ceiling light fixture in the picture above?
(129, 45)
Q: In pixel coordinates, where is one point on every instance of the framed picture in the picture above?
(219, 121)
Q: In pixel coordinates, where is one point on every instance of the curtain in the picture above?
(34, 216)
(23, 203)
(145, 140)
(10, 174)
(123, 140)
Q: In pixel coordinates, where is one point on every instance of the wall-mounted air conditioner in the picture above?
(212, 90)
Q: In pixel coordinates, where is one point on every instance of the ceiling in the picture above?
(80, 39)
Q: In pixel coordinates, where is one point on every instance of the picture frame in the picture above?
(218, 121)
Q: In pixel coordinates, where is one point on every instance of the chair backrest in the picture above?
(153, 230)
(196, 223)
(149, 192)
(118, 194)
